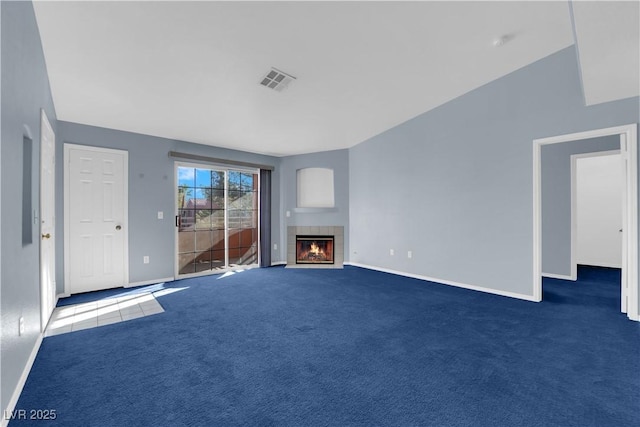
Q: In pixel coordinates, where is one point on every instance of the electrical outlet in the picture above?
(145, 259)
(409, 254)
(392, 252)
(160, 215)
(21, 326)
(275, 246)
(288, 214)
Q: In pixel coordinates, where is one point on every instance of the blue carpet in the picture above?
(352, 347)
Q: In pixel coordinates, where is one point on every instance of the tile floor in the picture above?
(102, 312)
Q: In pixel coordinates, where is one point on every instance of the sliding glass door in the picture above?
(216, 219)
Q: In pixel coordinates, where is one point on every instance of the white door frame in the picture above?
(47, 198)
(67, 209)
(629, 153)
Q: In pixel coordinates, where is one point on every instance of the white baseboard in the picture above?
(11, 406)
(149, 282)
(278, 263)
(559, 276)
(447, 282)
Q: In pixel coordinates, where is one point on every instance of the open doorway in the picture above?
(596, 209)
(627, 136)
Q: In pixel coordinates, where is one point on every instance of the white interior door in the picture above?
(599, 200)
(96, 213)
(47, 221)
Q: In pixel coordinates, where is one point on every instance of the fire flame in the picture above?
(314, 253)
(315, 249)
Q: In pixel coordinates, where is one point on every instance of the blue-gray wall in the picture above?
(151, 189)
(556, 199)
(454, 185)
(25, 90)
(338, 160)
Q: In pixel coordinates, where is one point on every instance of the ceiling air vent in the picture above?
(277, 80)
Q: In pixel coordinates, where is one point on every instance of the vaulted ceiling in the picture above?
(192, 70)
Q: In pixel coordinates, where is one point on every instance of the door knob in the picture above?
(46, 236)
(118, 227)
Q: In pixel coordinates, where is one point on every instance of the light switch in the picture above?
(160, 215)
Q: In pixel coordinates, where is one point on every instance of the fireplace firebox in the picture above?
(314, 249)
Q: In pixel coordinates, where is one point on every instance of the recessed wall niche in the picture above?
(315, 188)
(27, 190)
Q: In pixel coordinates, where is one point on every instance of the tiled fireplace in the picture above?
(315, 247)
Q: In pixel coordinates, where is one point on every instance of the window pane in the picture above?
(185, 197)
(203, 240)
(216, 198)
(250, 256)
(203, 219)
(203, 261)
(246, 181)
(186, 177)
(246, 201)
(203, 266)
(185, 194)
(250, 220)
(203, 178)
(234, 218)
(186, 242)
(234, 196)
(245, 256)
(246, 237)
(217, 240)
(234, 257)
(185, 263)
(187, 219)
(217, 259)
(217, 219)
(234, 238)
(234, 180)
(217, 179)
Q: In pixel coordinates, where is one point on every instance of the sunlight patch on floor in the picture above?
(107, 311)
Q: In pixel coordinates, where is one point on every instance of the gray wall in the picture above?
(556, 199)
(151, 189)
(25, 90)
(454, 185)
(338, 160)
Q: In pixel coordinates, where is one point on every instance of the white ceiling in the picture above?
(191, 70)
(608, 36)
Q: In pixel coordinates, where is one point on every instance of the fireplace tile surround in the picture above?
(336, 231)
